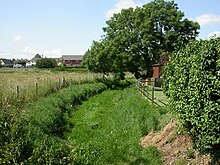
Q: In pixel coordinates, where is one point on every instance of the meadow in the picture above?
(18, 86)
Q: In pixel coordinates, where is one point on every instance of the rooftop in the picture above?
(72, 57)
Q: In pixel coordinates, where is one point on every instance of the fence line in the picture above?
(58, 85)
(20, 93)
(144, 90)
(23, 92)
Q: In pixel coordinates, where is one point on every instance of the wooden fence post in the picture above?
(17, 91)
(36, 88)
(153, 95)
(63, 81)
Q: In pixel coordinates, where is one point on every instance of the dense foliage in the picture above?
(192, 82)
(137, 38)
(46, 63)
(35, 136)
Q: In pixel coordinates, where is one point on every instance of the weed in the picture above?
(190, 153)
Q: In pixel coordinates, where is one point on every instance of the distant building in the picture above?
(154, 77)
(157, 70)
(72, 60)
(6, 62)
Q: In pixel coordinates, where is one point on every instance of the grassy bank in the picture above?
(35, 135)
(107, 129)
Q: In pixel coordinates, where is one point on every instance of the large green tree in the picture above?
(137, 38)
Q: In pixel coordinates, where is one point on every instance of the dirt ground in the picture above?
(176, 149)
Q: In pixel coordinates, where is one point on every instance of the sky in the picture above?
(54, 28)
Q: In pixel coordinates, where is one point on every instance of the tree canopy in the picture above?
(137, 38)
(37, 56)
(20, 61)
(46, 63)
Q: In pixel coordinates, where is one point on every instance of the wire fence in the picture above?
(26, 92)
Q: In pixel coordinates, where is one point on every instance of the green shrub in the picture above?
(115, 83)
(192, 83)
(46, 63)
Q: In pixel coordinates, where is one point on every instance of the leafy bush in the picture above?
(46, 63)
(192, 83)
(115, 83)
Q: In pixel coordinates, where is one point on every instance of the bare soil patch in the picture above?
(176, 149)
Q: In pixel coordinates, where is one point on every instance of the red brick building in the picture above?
(157, 70)
(72, 60)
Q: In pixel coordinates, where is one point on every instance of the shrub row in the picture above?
(192, 83)
(115, 83)
(36, 137)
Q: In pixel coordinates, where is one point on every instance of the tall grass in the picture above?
(104, 130)
(26, 79)
(108, 127)
(36, 136)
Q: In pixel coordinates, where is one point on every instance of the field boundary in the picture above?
(148, 91)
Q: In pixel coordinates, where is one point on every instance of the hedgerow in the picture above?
(192, 83)
(35, 137)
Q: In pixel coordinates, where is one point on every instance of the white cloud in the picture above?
(122, 4)
(15, 55)
(29, 50)
(214, 34)
(17, 38)
(55, 53)
(208, 19)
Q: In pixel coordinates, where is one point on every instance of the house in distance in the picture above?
(72, 60)
(6, 63)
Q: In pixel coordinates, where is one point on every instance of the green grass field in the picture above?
(108, 127)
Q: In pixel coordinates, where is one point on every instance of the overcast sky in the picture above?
(56, 27)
